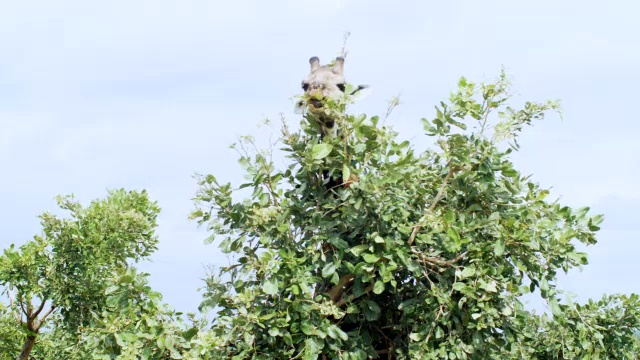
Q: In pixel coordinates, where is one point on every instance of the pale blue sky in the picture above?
(142, 94)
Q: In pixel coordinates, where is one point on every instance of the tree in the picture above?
(67, 269)
(424, 256)
(135, 324)
(605, 329)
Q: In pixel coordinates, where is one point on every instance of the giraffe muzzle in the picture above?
(316, 103)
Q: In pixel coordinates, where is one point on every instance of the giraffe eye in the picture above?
(305, 86)
(341, 87)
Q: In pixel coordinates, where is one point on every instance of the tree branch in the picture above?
(29, 307)
(437, 261)
(336, 291)
(35, 314)
(44, 317)
(24, 310)
(343, 301)
(438, 197)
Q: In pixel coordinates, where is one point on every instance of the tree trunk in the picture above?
(28, 346)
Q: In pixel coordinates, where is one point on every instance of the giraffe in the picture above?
(325, 82)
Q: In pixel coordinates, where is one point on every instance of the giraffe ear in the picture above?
(361, 92)
(339, 65)
(315, 63)
(359, 88)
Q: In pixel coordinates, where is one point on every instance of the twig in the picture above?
(440, 312)
(16, 314)
(267, 169)
(439, 262)
(35, 314)
(433, 205)
(487, 110)
(392, 104)
(389, 349)
(426, 275)
(344, 51)
(24, 310)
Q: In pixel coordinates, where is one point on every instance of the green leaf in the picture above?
(543, 194)
(498, 248)
(270, 286)
(581, 212)
(454, 236)
(555, 308)
(306, 327)
(328, 270)
(544, 285)
(467, 272)
(320, 151)
(371, 310)
(450, 217)
(597, 219)
(346, 172)
(458, 286)
(378, 287)
(189, 334)
(336, 333)
(509, 172)
(312, 348)
(490, 286)
(283, 228)
(359, 249)
(370, 258)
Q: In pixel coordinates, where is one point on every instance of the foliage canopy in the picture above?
(424, 255)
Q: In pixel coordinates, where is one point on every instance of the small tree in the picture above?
(67, 269)
(604, 329)
(135, 324)
(422, 256)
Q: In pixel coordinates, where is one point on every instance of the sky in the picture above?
(143, 94)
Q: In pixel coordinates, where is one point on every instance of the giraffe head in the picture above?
(325, 83)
